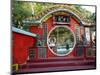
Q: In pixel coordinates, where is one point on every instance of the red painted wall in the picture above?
(36, 30)
(49, 22)
(20, 45)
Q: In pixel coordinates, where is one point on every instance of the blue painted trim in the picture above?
(14, 29)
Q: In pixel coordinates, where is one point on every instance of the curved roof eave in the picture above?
(14, 29)
(60, 9)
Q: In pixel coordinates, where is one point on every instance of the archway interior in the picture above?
(61, 40)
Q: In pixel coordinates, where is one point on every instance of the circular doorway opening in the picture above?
(61, 40)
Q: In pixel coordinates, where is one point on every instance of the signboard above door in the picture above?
(61, 20)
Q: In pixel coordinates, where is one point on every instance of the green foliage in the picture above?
(87, 14)
(93, 17)
(37, 7)
(20, 10)
(23, 10)
(83, 11)
(78, 7)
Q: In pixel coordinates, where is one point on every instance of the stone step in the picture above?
(55, 69)
(53, 59)
(56, 63)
